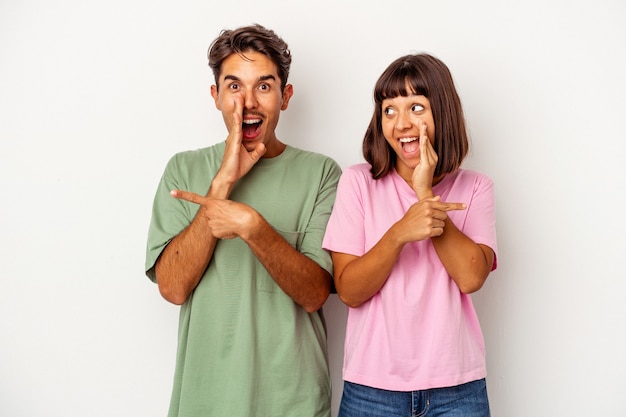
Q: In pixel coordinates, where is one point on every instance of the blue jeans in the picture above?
(465, 400)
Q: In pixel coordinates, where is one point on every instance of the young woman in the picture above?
(412, 234)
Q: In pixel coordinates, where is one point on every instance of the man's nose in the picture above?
(249, 99)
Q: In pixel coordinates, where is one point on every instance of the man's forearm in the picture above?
(184, 260)
(307, 283)
(181, 266)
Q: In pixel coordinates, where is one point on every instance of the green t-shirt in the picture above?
(245, 348)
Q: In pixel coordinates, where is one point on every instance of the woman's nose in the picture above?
(403, 121)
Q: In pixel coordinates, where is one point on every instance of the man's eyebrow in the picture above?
(267, 77)
(261, 78)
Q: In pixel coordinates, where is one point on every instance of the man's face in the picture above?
(254, 82)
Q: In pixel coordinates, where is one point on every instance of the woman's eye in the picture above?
(388, 111)
(417, 107)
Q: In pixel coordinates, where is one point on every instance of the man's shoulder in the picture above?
(308, 160)
(192, 157)
(306, 154)
(208, 151)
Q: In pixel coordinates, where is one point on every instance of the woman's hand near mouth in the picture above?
(422, 179)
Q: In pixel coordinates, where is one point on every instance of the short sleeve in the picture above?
(480, 221)
(345, 232)
(169, 215)
(311, 245)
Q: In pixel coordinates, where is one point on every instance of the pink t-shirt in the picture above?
(419, 331)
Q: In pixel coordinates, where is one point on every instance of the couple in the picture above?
(251, 235)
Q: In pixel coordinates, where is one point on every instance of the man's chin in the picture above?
(251, 144)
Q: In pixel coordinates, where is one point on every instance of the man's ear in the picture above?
(215, 95)
(287, 93)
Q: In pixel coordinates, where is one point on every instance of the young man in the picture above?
(235, 239)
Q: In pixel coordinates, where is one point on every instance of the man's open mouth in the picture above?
(251, 128)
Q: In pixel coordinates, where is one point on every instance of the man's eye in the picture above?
(264, 87)
(233, 86)
(417, 107)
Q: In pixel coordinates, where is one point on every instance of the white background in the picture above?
(96, 96)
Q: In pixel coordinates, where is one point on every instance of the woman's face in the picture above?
(402, 120)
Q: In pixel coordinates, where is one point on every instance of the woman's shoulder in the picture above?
(357, 173)
(473, 175)
(468, 179)
(360, 169)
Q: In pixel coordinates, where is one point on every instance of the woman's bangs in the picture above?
(395, 84)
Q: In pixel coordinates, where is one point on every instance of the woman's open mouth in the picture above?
(410, 145)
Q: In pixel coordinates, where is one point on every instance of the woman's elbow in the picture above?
(349, 301)
(471, 286)
(472, 282)
(479, 269)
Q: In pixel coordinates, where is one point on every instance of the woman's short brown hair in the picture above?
(250, 38)
(425, 75)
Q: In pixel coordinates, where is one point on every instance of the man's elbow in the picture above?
(172, 296)
(317, 302)
(170, 293)
(312, 308)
